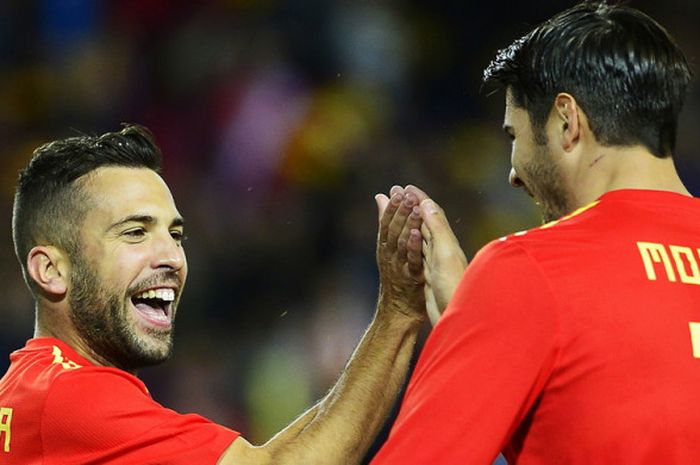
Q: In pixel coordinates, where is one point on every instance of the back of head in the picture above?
(50, 203)
(622, 67)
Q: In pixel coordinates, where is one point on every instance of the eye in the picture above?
(135, 233)
(179, 236)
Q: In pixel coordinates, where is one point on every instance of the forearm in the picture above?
(342, 426)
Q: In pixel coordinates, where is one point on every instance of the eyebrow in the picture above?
(178, 221)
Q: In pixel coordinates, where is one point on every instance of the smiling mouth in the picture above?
(154, 307)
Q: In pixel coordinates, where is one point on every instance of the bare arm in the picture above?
(341, 427)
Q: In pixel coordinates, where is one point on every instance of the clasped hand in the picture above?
(420, 260)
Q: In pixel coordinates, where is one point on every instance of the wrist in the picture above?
(397, 312)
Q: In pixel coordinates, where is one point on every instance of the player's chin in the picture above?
(156, 339)
(551, 213)
(154, 348)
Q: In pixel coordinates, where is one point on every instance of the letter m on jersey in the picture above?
(680, 264)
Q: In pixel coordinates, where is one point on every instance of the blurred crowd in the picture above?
(279, 120)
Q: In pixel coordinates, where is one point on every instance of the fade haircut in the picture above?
(50, 201)
(623, 68)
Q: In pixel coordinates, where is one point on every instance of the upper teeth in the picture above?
(163, 294)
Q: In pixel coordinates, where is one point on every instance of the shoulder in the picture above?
(108, 411)
(96, 377)
(89, 396)
(525, 266)
(84, 413)
(506, 279)
(95, 392)
(563, 239)
(44, 368)
(583, 219)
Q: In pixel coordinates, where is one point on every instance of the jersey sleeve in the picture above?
(482, 368)
(99, 415)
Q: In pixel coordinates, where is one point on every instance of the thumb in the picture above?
(434, 218)
(440, 238)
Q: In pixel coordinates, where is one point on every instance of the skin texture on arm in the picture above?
(340, 428)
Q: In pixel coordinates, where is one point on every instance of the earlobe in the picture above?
(568, 114)
(46, 266)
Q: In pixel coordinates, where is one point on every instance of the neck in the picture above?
(612, 168)
(63, 329)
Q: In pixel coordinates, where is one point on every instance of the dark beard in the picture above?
(547, 187)
(101, 320)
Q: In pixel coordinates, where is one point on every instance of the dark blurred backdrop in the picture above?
(279, 121)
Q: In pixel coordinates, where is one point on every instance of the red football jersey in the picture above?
(58, 408)
(574, 343)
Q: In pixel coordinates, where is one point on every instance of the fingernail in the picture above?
(429, 207)
(409, 200)
(415, 213)
(396, 199)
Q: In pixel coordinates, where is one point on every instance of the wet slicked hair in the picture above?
(626, 72)
(50, 202)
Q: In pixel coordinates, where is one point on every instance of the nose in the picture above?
(168, 253)
(514, 180)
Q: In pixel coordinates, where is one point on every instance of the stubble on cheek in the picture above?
(106, 323)
(546, 184)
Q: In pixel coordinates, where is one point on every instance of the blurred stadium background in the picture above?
(279, 120)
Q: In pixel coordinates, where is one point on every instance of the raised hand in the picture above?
(444, 260)
(399, 253)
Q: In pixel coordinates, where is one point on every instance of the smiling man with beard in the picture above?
(99, 239)
(129, 324)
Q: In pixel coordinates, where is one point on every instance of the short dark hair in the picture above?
(50, 205)
(626, 72)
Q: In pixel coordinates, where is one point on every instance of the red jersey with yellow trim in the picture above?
(574, 343)
(58, 408)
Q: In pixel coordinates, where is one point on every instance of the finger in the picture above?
(427, 254)
(425, 232)
(427, 246)
(431, 305)
(388, 216)
(440, 237)
(413, 222)
(420, 195)
(382, 202)
(399, 220)
(414, 255)
(426, 270)
(396, 190)
(445, 258)
(434, 218)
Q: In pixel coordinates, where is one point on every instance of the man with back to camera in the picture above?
(99, 239)
(577, 342)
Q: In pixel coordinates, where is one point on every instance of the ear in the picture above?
(568, 119)
(48, 267)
